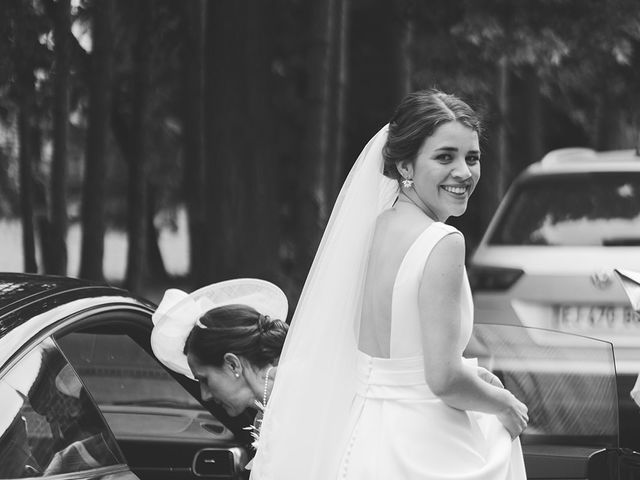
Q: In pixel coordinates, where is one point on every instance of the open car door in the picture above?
(568, 382)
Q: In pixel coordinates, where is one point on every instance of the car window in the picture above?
(48, 424)
(118, 371)
(112, 355)
(594, 209)
(568, 382)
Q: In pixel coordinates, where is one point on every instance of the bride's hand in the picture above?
(514, 417)
(489, 377)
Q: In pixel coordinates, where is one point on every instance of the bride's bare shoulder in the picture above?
(402, 223)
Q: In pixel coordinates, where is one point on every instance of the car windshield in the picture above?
(568, 382)
(588, 209)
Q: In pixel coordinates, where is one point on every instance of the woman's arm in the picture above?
(448, 377)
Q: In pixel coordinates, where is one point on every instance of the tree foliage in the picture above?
(250, 112)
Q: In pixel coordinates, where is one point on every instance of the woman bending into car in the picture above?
(228, 336)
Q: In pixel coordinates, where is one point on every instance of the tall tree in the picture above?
(534, 128)
(93, 207)
(226, 143)
(138, 196)
(313, 197)
(241, 216)
(338, 102)
(261, 231)
(25, 133)
(403, 39)
(194, 135)
(502, 133)
(25, 37)
(56, 253)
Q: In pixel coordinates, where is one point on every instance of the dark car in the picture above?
(81, 393)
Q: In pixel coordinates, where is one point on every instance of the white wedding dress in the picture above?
(398, 428)
(337, 413)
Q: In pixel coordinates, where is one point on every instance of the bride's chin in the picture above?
(459, 211)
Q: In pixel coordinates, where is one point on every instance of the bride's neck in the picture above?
(417, 202)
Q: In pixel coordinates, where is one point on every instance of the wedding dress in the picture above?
(336, 413)
(399, 428)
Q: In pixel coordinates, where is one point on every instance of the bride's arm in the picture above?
(456, 383)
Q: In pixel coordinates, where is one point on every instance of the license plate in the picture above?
(584, 318)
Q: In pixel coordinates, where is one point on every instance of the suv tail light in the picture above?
(493, 278)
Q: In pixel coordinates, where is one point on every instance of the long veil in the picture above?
(303, 432)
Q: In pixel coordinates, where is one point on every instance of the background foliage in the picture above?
(247, 114)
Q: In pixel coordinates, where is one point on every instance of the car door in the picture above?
(156, 416)
(568, 383)
(49, 426)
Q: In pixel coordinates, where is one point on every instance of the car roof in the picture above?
(567, 160)
(22, 291)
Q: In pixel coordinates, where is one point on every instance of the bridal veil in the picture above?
(303, 433)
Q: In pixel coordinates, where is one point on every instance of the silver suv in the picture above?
(547, 257)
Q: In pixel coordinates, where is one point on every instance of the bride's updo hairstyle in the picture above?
(237, 329)
(416, 119)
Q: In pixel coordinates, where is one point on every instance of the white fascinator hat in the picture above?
(178, 312)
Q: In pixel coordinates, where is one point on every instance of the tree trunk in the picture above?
(40, 198)
(26, 185)
(157, 270)
(93, 228)
(314, 208)
(339, 100)
(137, 267)
(194, 177)
(229, 137)
(404, 32)
(494, 173)
(261, 230)
(502, 134)
(24, 43)
(607, 121)
(241, 171)
(57, 251)
(534, 128)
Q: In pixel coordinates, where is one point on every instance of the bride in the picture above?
(372, 382)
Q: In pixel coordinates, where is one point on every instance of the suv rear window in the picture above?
(589, 209)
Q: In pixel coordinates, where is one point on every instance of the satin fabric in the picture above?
(314, 409)
(398, 427)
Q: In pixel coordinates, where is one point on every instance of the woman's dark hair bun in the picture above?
(237, 329)
(272, 335)
(264, 323)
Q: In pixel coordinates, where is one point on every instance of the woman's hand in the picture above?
(489, 377)
(514, 417)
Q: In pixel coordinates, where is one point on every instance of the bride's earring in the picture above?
(407, 183)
